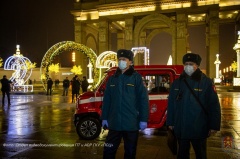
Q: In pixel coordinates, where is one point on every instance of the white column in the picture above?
(217, 63)
(237, 49)
(90, 66)
(238, 63)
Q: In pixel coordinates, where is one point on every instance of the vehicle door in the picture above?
(158, 85)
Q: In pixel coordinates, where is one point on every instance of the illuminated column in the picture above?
(212, 41)
(146, 57)
(217, 63)
(181, 34)
(18, 50)
(90, 79)
(103, 36)
(120, 40)
(129, 32)
(237, 49)
(79, 31)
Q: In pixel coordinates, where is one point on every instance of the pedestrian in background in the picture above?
(125, 107)
(56, 83)
(193, 111)
(84, 84)
(49, 86)
(6, 88)
(66, 84)
(75, 87)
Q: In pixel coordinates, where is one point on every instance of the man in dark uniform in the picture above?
(193, 109)
(5, 89)
(125, 107)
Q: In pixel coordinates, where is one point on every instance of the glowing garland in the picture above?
(67, 46)
(1, 62)
(144, 50)
(18, 63)
(107, 59)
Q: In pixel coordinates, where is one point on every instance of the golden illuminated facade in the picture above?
(134, 23)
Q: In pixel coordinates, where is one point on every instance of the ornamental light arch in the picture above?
(22, 70)
(67, 46)
(106, 60)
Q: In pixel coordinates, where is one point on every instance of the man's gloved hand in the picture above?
(104, 124)
(142, 125)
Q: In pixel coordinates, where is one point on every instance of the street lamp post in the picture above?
(237, 49)
(236, 81)
(217, 63)
(90, 66)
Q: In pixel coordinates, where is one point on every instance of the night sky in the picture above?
(36, 25)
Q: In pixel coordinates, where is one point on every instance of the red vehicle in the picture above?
(157, 78)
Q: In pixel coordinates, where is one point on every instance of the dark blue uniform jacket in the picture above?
(185, 113)
(125, 101)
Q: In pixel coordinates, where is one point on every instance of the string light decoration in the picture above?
(1, 62)
(66, 46)
(142, 50)
(73, 57)
(107, 59)
(22, 72)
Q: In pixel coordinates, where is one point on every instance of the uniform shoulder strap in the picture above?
(205, 111)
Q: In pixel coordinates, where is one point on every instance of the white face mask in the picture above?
(189, 69)
(122, 64)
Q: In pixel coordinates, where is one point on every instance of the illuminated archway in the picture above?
(107, 59)
(67, 46)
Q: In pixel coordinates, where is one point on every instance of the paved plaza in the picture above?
(39, 126)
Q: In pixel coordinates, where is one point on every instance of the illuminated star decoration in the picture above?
(54, 68)
(77, 70)
(234, 66)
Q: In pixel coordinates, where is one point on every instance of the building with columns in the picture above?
(134, 23)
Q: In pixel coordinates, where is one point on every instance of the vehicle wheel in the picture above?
(88, 128)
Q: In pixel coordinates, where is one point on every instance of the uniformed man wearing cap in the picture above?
(193, 108)
(125, 107)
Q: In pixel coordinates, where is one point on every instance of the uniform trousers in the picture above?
(113, 140)
(199, 146)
